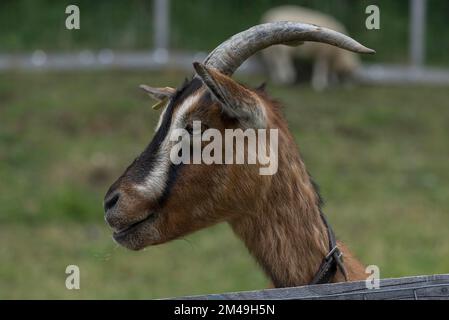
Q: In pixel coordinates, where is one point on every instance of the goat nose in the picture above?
(111, 202)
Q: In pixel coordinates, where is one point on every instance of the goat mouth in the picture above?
(133, 227)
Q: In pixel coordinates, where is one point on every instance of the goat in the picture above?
(329, 63)
(277, 216)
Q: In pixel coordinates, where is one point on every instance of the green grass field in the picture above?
(379, 154)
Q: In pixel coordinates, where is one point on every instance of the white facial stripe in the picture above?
(161, 117)
(184, 108)
(156, 180)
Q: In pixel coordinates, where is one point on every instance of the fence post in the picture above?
(161, 29)
(417, 32)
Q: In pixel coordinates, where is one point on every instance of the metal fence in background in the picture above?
(160, 57)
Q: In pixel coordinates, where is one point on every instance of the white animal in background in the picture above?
(330, 63)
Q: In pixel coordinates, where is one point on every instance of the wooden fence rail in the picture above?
(415, 288)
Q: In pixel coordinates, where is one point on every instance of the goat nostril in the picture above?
(109, 204)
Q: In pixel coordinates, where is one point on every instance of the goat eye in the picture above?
(189, 129)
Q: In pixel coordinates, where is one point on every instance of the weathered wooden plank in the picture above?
(418, 287)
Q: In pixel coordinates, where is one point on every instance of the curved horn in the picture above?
(229, 55)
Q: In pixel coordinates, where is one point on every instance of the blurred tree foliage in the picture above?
(201, 24)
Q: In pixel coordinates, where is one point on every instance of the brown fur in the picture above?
(277, 217)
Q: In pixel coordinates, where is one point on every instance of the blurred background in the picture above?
(72, 118)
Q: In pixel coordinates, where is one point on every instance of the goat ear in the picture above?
(237, 101)
(158, 93)
(162, 95)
